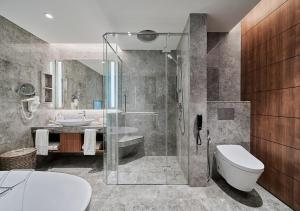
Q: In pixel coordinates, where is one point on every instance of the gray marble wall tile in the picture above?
(194, 86)
(148, 90)
(224, 54)
(213, 84)
(236, 131)
(198, 98)
(23, 57)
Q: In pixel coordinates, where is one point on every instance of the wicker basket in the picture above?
(18, 159)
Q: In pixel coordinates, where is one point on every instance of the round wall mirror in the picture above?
(26, 89)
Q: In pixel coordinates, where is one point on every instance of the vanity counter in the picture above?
(72, 129)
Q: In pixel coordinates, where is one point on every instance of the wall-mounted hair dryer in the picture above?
(32, 106)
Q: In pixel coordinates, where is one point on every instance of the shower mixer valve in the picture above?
(180, 107)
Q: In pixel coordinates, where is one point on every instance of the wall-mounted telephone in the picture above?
(199, 128)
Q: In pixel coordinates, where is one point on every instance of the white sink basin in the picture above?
(75, 122)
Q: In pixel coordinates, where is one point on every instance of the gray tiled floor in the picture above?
(159, 170)
(217, 196)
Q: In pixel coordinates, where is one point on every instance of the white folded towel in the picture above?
(89, 142)
(42, 141)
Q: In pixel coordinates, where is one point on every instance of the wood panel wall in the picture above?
(271, 81)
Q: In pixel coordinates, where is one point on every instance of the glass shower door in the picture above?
(112, 66)
(142, 148)
(141, 132)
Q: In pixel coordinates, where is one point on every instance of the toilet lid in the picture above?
(240, 157)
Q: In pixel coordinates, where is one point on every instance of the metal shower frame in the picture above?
(115, 51)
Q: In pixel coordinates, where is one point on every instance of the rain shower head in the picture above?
(147, 35)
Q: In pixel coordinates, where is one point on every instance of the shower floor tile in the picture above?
(175, 177)
(159, 170)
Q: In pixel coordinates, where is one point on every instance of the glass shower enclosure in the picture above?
(144, 112)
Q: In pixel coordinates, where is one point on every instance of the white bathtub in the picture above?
(43, 191)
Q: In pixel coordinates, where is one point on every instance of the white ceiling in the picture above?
(84, 21)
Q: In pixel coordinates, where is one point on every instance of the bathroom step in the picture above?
(130, 140)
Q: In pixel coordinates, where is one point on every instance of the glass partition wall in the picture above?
(143, 108)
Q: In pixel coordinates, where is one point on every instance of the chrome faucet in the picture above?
(83, 114)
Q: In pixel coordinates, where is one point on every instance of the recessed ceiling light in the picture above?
(49, 16)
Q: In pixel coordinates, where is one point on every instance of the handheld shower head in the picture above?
(172, 58)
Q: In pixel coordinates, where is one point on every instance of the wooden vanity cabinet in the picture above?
(65, 142)
(70, 142)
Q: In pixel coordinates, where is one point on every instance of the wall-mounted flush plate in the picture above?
(225, 113)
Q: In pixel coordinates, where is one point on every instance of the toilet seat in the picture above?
(239, 157)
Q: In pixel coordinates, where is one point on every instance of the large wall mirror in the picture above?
(78, 84)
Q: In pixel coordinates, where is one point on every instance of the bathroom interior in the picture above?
(128, 106)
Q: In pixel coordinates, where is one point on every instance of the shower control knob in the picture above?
(180, 106)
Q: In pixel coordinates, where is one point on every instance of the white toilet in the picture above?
(238, 167)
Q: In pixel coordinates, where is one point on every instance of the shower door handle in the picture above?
(125, 103)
